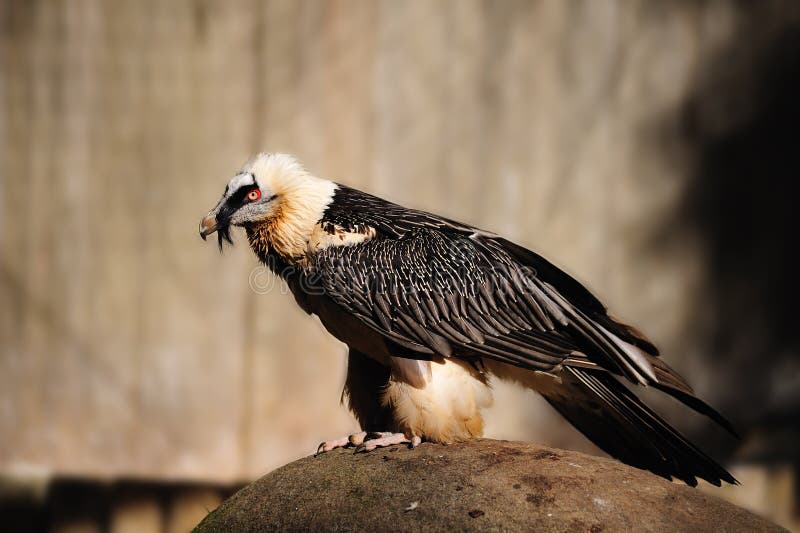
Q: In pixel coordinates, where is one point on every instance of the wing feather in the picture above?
(432, 290)
(435, 286)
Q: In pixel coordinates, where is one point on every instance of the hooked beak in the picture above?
(208, 225)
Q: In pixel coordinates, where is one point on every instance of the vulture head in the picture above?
(274, 197)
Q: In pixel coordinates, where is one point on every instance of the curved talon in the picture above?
(320, 448)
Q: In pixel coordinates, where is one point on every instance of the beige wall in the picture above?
(129, 347)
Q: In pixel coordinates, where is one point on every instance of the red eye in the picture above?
(254, 195)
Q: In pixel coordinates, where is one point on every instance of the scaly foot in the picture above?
(355, 439)
(366, 442)
(385, 438)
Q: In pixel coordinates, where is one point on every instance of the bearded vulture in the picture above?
(432, 309)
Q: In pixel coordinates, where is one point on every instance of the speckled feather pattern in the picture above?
(446, 295)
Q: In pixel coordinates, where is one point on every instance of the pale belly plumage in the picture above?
(447, 408)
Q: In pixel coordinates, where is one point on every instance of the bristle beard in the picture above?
(223, 234)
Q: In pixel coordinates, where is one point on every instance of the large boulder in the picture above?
(477, 485)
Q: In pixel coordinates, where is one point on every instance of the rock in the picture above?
(477, 485)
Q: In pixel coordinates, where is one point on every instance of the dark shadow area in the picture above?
(740, 128)
(82, 504)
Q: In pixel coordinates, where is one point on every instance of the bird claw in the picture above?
(367, 441)
(344, 442)
(383, 439)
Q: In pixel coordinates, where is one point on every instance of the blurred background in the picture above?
(649, 148)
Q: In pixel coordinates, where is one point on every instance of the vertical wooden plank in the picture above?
(136, 513)
(188, 507)
(297, 368)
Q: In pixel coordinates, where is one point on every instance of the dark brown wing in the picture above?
(443, 294)
(463, 295)
(504, 287)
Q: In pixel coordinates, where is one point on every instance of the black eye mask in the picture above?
(226, 211)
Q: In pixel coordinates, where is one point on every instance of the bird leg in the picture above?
(386, 438)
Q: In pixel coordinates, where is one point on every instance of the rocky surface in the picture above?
(481, 485)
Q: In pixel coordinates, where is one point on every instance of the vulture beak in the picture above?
(208, 225)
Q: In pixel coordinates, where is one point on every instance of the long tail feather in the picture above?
(618, 422)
